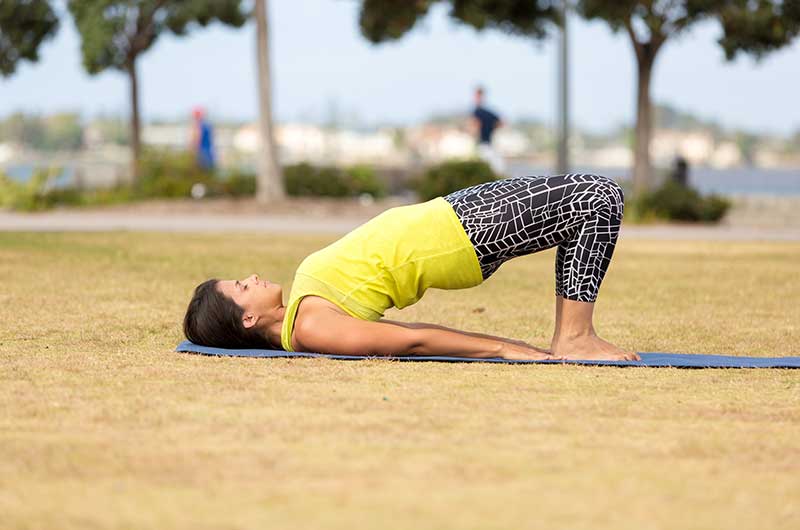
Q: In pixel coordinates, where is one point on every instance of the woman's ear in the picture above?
(249, 320)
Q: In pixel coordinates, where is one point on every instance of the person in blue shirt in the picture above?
(485, 122)
(203, 140)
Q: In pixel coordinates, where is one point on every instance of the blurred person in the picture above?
(484, 123)
(680, 171)
(203, 140)
(340, 292)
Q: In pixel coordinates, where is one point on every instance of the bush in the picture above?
(169, 174)
(676, 202)
(36, 194)
(30, 195)
(238, 183)
(173, 174)
(451, 176)
(364, 179)
(303, 179)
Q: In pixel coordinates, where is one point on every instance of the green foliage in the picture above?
(750, 26)
(29, 196)
(237, 183)
(303, 179)
(171, 174)
(450, 176)
(37, 193)
(758, 26)
(167, 174)
(384, 20)
(24, 25)
(529, 18)
(649, 21)
(675, 202)
(364, 179)
(115, 32)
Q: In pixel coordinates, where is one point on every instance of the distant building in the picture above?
(726, 155)
(511, 143)
(695, 146)
(435, 143)
(172, 136)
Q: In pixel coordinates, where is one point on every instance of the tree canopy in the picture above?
(24, 25)
(114, 32)
(758, 27)
(384, 20)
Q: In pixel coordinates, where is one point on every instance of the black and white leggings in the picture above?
(522, 215)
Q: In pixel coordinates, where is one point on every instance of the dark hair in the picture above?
(213, 319)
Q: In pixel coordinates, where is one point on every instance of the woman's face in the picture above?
(256, 296)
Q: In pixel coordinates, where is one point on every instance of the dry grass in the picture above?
(101, 426)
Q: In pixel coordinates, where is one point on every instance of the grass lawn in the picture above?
(102, 426)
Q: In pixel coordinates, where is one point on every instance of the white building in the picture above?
(303, 142)
(511, 142)
(695, 146)
(726, 155)
(436, 142)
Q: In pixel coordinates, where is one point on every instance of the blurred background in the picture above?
(112, 101)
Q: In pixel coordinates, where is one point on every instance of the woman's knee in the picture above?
(610, 192)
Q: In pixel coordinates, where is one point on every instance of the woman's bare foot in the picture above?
(590, 347)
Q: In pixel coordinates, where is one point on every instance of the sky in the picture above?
(322, 67)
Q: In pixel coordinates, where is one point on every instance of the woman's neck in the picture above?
(273, 330)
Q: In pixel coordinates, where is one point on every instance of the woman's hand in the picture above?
(520, 351)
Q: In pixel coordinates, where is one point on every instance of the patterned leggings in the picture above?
(522, 215)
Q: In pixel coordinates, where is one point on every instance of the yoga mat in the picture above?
(654, 360)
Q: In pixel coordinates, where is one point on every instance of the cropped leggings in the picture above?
(581, 214)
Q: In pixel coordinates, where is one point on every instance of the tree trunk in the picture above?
(642, 168)
(136, 146)
(269, 185)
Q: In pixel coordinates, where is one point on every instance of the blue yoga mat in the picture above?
(673, 360)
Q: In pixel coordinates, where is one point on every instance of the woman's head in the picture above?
(235, 313)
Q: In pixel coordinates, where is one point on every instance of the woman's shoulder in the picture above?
(313, 312)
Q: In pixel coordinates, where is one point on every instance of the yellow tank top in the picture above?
(389, 261)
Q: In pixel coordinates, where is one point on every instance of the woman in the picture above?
(339, 293)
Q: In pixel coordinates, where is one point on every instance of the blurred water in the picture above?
(737, 181)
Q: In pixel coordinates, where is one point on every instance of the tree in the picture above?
(24, 25)
(751, 26)
(114, 33)
(269, 185)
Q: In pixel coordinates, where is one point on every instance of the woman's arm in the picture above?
(331, 332)
(422, 325)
